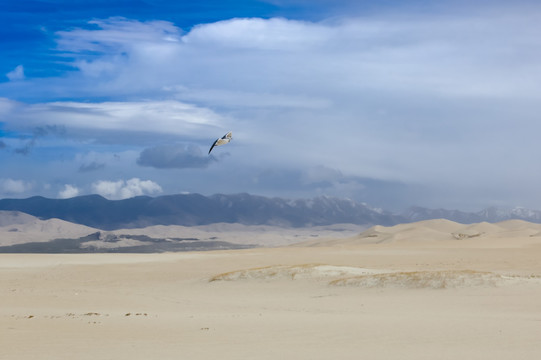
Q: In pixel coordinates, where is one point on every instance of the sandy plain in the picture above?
(429, 290)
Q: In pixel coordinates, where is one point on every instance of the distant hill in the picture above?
(19, 228)
(14, 217)
(195, 209)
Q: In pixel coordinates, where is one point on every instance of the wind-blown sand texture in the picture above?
(429, 290)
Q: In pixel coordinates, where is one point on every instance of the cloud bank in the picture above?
(154, 117)
(175, 157)
(93, 166)
(10, 186)
(439, 101)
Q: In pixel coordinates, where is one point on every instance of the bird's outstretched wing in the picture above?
(212, 147)
(222, 141)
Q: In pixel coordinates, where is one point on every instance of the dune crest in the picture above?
(22, 228)
(440, 230)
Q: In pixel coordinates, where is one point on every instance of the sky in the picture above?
(395, 103)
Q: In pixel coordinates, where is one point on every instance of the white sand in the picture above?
(413, 296)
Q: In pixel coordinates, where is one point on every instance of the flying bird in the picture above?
(222, 141)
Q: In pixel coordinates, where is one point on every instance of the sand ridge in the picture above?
(443, 232)
(26, 228)
(377, 278)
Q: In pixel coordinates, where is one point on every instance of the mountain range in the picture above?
(195, 209)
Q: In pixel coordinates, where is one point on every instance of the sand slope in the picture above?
(14, 217)
(19, 228)
(420, 294)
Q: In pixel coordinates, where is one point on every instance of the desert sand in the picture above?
(18, 228)
(429, 290)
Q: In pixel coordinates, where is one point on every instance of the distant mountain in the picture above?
(417, 213)
(491, 215)
(194, 209)
(494, 214)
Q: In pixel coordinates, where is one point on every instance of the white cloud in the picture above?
(69, 191)
(446, 54)
(152, 117)
(14, 187)
(118, 33)
(16, 74)
(125, 189)
(126, 45)
(262, 34)
(108, 189)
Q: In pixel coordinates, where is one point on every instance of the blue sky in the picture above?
(394, 103)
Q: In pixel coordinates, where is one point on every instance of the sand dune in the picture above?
(14, 217)
(442, 232)
(20, 228)
(377, 278)
(421, 293)
(260, 235)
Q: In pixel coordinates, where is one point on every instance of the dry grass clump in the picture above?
(422, 279)
(316, 272)
(372, 278)
(267, 272)
(462, 236)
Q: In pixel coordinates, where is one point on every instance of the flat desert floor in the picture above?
(431, 290)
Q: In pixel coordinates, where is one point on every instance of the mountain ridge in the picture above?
(196, 209)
